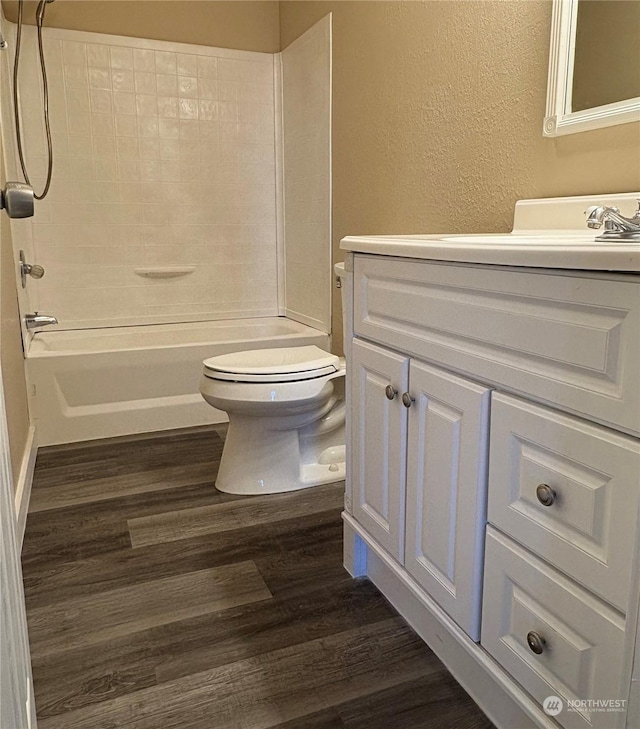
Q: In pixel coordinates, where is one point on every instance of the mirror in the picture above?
(606, 66)
(594, 65)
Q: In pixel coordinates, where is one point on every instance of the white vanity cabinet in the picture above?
(494, 483)
(419, 458)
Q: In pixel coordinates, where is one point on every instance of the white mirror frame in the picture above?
(559, 119)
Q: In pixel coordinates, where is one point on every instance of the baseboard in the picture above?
(355, 556)
(504, 702)
(25, 480)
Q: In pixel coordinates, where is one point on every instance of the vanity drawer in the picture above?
(580, 641)
(568, 490)
(567, 339)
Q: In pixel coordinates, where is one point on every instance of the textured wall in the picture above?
(15, 390)
(437, 117)
(247, 25)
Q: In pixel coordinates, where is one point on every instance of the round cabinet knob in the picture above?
(407, 399)
(536, 642)
(390, 392)
(546, 495)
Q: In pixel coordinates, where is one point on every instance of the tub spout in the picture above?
(36, 320)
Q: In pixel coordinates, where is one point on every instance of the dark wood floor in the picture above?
(155, 602)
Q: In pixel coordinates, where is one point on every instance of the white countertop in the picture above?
(536, 249)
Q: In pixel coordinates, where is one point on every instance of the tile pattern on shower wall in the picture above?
(306, 117)
(162, 158)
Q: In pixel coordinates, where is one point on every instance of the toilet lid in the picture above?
(282, 364)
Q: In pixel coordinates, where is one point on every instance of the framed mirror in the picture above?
(594, 65)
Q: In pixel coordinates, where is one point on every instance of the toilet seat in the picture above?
(284, 364)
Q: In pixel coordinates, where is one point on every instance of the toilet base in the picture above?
(311, 475)
(314, 474)
(258, 459)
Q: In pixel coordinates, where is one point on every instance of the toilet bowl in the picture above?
(286, 418)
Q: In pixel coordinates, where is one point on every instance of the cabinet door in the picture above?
(378, 431)
(447, 491)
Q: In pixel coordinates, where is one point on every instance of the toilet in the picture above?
(286, 418)
(286, 409)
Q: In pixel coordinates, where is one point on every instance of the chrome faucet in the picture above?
(616, 226)
(35, 320)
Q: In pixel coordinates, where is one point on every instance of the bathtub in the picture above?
(99, 383)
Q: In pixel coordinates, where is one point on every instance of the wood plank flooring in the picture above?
(156, 602)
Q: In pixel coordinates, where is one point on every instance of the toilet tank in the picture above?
(346, 294)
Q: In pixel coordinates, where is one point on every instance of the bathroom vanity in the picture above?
(494, 458)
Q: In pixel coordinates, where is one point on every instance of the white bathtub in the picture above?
(98, 383)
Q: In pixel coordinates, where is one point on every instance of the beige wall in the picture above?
(437, 117)
(15, 389)
(244, 25)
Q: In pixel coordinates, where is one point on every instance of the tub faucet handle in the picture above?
(29, 269)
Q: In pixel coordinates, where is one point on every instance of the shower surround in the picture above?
(168, 204)
(164, 158)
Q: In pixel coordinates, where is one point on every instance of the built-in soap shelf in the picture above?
(163, 271)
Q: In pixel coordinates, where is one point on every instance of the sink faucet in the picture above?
(616, 226)
(35, 320)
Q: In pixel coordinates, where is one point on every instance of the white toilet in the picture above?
(286, 422)
(286, 411)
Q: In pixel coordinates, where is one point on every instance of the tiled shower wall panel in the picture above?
(306, 121)
(164, 158)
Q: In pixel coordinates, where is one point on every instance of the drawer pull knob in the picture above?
(390, 392)
(536, 642)
(546, 495)
(407, 399)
